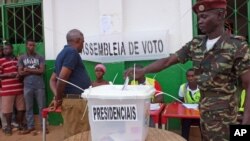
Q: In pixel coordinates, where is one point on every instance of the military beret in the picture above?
(205, 5)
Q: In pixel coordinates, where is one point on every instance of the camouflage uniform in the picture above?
(216, 71)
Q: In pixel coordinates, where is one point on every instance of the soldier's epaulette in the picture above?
(242, 38)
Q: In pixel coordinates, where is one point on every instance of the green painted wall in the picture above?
(170, 80)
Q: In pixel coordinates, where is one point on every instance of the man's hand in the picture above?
(25, 69)
(19, 76)
(55, 104)
(12, 75)
(28, 69)
(139, 73)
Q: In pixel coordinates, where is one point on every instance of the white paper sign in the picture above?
(126, 47)
(155, 106)
(106, 24)
(191, 106)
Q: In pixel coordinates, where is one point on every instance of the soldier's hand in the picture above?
(137, 73)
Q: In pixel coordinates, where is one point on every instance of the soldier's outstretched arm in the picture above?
(161, 64)
(246, 85)
(153, 67)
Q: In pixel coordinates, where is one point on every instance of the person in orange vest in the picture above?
(189, 93)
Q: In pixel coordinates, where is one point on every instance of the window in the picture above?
(21, 20)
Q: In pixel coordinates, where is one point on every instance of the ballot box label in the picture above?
(114, 112)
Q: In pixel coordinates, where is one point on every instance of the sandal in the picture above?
(26, 131)
(21, 130)
(34, 133)
(7, 131)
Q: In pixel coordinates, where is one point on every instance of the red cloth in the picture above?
(157, 87)
(205, 5)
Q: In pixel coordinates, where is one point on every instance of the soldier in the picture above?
(218, 60)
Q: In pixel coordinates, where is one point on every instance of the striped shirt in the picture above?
(10, 86)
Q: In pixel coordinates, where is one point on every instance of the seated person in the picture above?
(241, 105)
(100, 70)
(149, 81)
(189, 93)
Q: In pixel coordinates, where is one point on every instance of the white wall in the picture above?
(127, 16)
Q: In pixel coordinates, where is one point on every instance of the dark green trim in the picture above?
(24, 27)
(235, 18)
(195, 23)
(22, 3)
(4, 18)
(2, 22)
(248, 19)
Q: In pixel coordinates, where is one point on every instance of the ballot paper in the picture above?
(191, 106)
(155, 106)
(125, 84)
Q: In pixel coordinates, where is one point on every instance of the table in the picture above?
(177, 110)
(155, 114)
(45, 113)
(154, 134)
